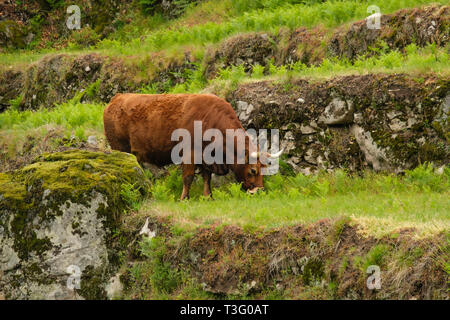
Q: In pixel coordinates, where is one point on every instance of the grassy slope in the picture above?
(202, 25)
(378, 213)
(380, 203)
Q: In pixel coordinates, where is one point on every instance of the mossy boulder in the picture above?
(13, 35)
(60, 215)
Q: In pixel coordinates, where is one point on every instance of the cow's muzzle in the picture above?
(254, 190)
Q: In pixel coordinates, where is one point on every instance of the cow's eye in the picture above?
(253, 171)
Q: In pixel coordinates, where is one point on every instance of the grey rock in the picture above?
(393, 114)
(310, 157)
(114, 288)
(373, 154)
(338, 112)
(241, 105)
(443, 113)
(92, 140)
(358, 118)
(307, 129)
(397, 125)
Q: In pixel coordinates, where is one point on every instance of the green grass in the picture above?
(72, 115)
(77, 117)
(418, 61)
(151, 34)
(66, 124)
(329, 14)
(380, 203)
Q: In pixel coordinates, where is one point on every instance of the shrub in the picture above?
(161, 192)
(15, 103)
(84, 37)
(376, 256)
(424, 178)
(163, 277)
(131, 195)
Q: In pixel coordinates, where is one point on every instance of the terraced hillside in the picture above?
(364, 179)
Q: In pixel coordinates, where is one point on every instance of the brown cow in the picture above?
(142, 124)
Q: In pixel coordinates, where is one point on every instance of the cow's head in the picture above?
(250, 173)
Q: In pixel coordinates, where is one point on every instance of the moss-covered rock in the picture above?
(58, 78)
(246, 49)
(385, 122)
(61, 215)
(13, 35)
(422, 26)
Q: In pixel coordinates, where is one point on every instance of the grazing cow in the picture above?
(142, 124)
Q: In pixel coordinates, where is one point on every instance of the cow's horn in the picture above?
(254, 154)
(276, 155)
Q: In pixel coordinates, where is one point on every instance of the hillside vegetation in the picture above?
(371, 188)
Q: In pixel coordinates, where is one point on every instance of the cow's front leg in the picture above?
(188, 177)
(206, 183)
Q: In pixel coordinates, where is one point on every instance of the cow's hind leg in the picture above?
(120, 145)
(139, 157)
(138, 150)
(188, 177)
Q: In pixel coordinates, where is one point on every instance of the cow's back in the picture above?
(143, 124)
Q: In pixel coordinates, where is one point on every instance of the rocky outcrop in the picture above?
(247, 50)
(304, 45)
(58, 78)
(385, 122)
(37, 23)
(11, 82)
(95, 78)
(421, 26)
(14, 35)
(60, 224)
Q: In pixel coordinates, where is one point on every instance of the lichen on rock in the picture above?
(62, 213)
